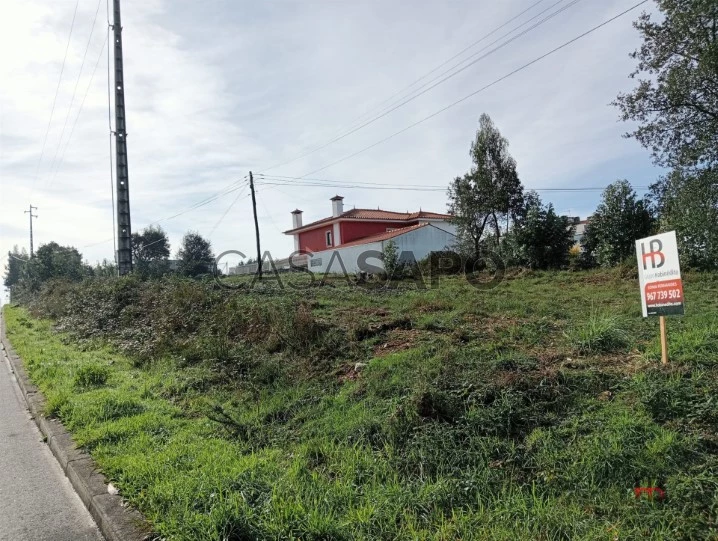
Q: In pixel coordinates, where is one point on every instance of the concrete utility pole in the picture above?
(256, 226)
(31, 217)
(124, 228)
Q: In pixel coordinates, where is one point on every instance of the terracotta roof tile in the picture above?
(376, 214)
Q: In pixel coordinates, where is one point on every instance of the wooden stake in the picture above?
(664, 340)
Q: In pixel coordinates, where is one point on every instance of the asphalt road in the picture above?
(37, 501)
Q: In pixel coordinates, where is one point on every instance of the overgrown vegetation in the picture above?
(530, 410)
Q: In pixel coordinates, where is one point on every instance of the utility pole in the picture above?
(256, 226)
(31, 217)
(124, 229)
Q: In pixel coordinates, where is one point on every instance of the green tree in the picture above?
(540, 238)
(489, 193)
(676, 101)
(106, 269)
(390, 256)
(53, 261)
(16, 260)
(151, 251)
(687, 202)
(195, 255)
(620, 219)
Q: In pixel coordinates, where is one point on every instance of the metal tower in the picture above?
(124, 229)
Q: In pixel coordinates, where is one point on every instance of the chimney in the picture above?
(337, 205)
(296, 219)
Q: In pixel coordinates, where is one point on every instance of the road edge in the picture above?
(115, 519)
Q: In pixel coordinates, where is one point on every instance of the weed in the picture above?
(91, 375)
(600, 332)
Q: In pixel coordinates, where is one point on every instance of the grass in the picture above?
(528, 411)
(599, 333)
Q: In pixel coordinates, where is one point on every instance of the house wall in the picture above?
(443, 224)
(358, 230)
(420, 241)
(314, 240)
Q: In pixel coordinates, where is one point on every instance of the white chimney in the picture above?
(337, 205)
(296, 219)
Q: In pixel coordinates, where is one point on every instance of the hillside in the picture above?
(528, 411)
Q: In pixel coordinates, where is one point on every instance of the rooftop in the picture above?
(375, 214)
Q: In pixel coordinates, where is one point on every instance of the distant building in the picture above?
(347, 234)
(580, 228)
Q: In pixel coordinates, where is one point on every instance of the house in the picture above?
(579, 229)
(346, 235)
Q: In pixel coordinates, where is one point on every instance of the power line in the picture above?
(221, 219)
(391, 98)
(416, 188)
(363, 183)
(472, 94)
(74, 92)
(197, 205)
(400, 92)
(202, 203)
(448, 74)
(54, 100)
(79, 112)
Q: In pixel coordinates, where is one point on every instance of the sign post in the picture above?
(659, 277)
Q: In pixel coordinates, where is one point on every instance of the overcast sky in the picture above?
(217, 88)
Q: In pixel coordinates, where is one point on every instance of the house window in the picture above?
(329, 238)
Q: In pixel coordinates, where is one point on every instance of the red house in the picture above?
(356, 226)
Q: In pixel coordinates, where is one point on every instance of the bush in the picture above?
(445, 262)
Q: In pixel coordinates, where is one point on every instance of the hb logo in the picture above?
(655, 253)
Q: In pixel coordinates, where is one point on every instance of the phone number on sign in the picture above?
(663, 294)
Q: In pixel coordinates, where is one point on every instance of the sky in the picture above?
(218, 88)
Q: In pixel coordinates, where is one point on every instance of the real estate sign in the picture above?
(659, 275)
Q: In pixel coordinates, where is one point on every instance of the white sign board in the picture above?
(659, 275)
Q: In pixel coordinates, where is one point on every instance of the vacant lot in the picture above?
(528, 411)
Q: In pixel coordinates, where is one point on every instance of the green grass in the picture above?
(528, 411)
(599, 332)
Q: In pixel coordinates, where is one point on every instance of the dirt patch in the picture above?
(375, 329)
(397, 340)
(363, 311)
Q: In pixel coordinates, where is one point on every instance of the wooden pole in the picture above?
(256, 226)
(664, 340)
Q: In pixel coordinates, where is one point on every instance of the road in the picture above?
(37, 501)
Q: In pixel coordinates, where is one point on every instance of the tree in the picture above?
(676, 104)
(13, 269)
(195, 255)
(620, 219)
(687, 202)
(390, 256)
(540, 238)
(151, 251)
(489, 193)
(106, 269)
(53, 261)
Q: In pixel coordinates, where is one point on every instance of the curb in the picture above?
(115, 519)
